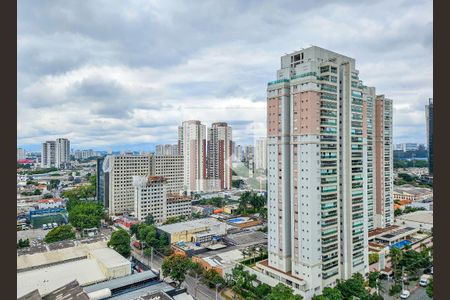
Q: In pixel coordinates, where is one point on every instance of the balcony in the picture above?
(278, 81)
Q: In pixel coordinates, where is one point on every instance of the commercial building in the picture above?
(261, 154)
(62, 152)
(219, 158)
(409, 192)
(87, 266)
(199, 230)
(118, 180)
(422, 219)
(162, 150)
(171, 168)
(430, 135)
(319, 118)
(192, 146)
(21, 154)
(384, 165)
(48, 154)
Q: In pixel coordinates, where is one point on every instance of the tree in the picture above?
(60, 233)
(47, 196)
(37, 192)
(85, 214)
(262, 290)
(212, 278)
(23, 243)
(353, 287)
(373, 277)
(176, 267)
(120, 241)
(54, 183)
(134, 229)
(149, 220)
(373, 258)
(396, 256)
(282, 292)
(329, 294)
(429, 289)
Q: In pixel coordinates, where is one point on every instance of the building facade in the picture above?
(384, 212)
(219, 157)
(48, 154)
(62, 152)
(21, 154)
(167, 149)
(261, 154)
(321, 161)
(118, 185)
(150, 197)
(178, 205)
(192, 146)
(171, 168)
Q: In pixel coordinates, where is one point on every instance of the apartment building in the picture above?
(384, 163)
(167, 149)
(62, 152)
(192, 146)
(320, 128)
(118, 180)
(261, 154)
(219, 160)
(171, 168)
(21, 154)
(48, 154)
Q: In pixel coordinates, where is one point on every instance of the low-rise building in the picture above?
(178, 205)
(422, 219)
(199, 230)
(409, 192)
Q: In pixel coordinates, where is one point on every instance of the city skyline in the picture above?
(139, 73)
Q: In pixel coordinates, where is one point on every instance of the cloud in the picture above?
(108, 73)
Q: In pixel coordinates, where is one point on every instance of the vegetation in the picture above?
(60, 233)
(215, 201)
(150, 238)
(120, 241)
(212, 278)
(149, 220)
(407, 210)
(373, 258)
(33, 193)
(404, 178)
(40, 171)
(329, 294)
(429, 289)
(263, 229)
(250, 202)
(53, 184)
(173, 220)
(47, 196)
(85, 214)
(237, 183)
(23, 243)
(410, 164)
(176, 267)
(282, 292)
(395, 289)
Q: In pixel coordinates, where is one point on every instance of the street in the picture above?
(195, 288)
(417, 292)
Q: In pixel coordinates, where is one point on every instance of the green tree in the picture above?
(86, 214)
(54, 183)
(176, 267)
(429, 289)
(23, 243)
(212, 278)
(282, 292)
(373, 277)
(37, 192)
(149, 220)
(262, 290)
(120, 241)
(353, 287)
(373, 258)
(134, 229)
(329, 294)
(60, 233)
(47, 196)
(396, 256)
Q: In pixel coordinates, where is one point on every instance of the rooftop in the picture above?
(120, 282)
(189, 225)
(422, 216)
(108, 257)
(411, 190)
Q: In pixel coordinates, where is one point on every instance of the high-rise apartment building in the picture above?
(238, 153)
(118, 175)
(261, 154)
(48, 154)
(219, 157)
(384, 212)
(320, 156)
(21, 154)
(167, 149)
(192, 146)
(429, 125)
(62, 152)
(171, 168)
(150, 197)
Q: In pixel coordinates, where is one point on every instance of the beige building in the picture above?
(171, 168)
(199, 230)
(178, 205)
(409, 192)
(219, 158)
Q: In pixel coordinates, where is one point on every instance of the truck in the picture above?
(425, 279)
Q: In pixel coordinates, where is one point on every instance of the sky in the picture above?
(123, 75)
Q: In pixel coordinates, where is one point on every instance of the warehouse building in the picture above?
(200, 230)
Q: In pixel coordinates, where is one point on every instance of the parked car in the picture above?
(405, 294)
(424, 280)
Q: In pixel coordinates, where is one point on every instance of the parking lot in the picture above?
(31, 234)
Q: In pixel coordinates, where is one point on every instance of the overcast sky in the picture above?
(124, 74)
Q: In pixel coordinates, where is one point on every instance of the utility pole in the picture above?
(151, 258)
(217, 288)
(403, 278)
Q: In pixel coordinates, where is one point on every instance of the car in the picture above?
(405, 294)
(55, 225)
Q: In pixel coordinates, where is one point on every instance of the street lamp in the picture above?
(217, 287)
